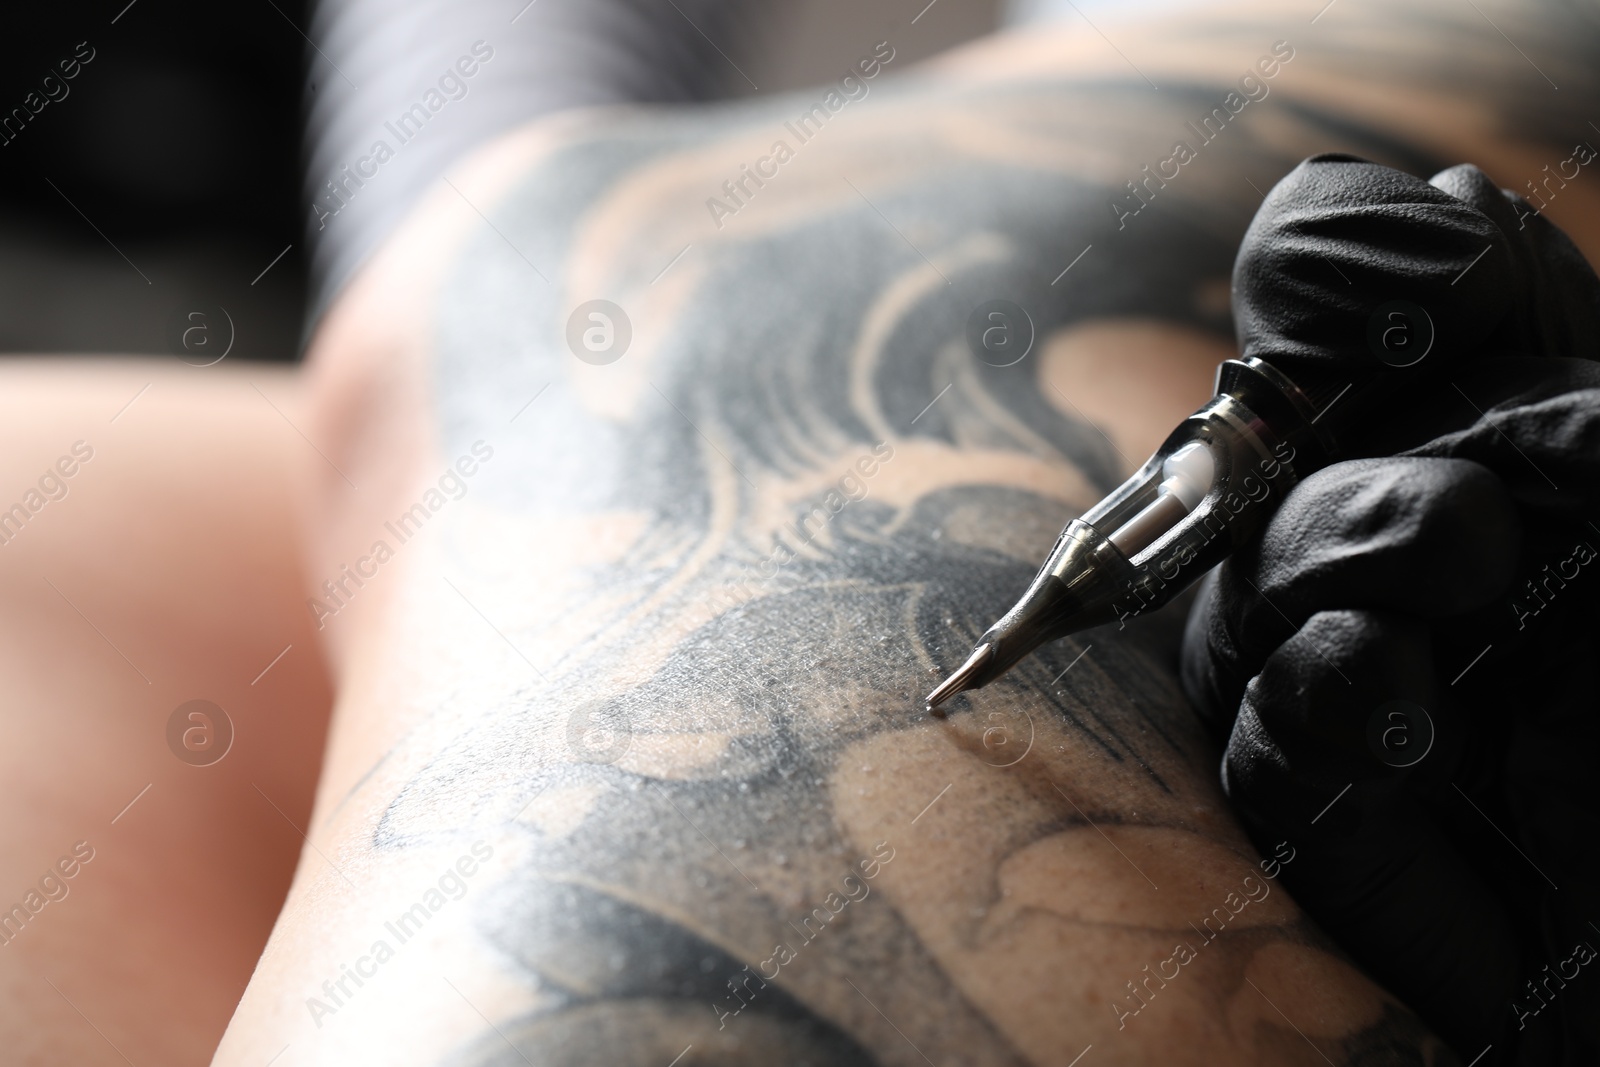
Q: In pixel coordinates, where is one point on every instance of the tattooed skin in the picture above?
(725, 567)
(725, 786)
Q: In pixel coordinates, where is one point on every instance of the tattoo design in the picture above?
(779, 606)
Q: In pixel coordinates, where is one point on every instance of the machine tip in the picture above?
(961, 680)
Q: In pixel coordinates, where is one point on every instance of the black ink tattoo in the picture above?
(823, 328)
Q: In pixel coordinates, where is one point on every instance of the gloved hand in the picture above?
(1405, 665)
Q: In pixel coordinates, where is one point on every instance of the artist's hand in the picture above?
(1405, 667)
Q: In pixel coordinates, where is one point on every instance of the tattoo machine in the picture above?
(1339, 352)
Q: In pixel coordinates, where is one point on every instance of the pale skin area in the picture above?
(1031, 915)
(178, 541)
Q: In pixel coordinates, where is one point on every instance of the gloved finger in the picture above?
(1337, 238)
(1429, 537)
(1555, 295)
(1535, 423)
(1371, 864)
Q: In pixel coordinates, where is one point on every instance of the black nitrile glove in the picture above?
(1406, 663)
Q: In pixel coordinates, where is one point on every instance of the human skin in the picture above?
(674, 759)
(553, 668)
(169, 571)
(673, 756)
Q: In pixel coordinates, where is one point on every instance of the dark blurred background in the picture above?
(150, 155)
(163, 176)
